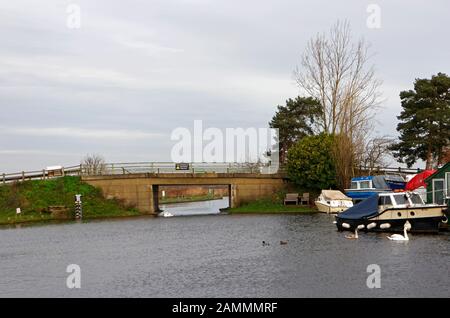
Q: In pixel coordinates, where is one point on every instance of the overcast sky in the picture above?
(136, 70)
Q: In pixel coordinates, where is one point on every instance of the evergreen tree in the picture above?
(295, 121)
(311, 163)
(424, 121)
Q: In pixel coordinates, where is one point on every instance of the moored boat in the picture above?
(363, 187)
(333, 201)
(388, 212)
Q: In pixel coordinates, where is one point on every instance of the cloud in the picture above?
(67, 132)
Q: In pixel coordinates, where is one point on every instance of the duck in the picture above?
(283, 242)
(399, 237)
(355, 236)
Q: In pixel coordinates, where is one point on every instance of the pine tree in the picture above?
(295, 121)
(424, 121)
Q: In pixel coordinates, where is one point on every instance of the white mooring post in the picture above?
(78, 207)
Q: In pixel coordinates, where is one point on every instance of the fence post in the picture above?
(43, 174)
(23, 175)
(4, 179)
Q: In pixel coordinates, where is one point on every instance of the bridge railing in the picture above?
(170, 167)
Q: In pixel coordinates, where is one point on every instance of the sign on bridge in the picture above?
(181, 166)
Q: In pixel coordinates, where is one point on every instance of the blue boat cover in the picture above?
(365, 209)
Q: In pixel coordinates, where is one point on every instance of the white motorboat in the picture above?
(333, 201)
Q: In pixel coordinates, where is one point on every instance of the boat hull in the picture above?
(425, 220)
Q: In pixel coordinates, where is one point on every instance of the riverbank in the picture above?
(268, 206)
(35, 197)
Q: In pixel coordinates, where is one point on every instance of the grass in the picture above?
(271, 205)
(34, 197)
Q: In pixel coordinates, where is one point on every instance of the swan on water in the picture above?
(399, 237)
(355, 236)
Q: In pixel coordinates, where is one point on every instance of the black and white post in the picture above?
(78, 207)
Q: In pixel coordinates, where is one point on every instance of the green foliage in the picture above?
(35, 196)
(295, 121)
(310, 162)
(424, 121)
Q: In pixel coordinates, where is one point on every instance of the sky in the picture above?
(134, 71)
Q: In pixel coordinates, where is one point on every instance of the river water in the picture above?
(217, 256)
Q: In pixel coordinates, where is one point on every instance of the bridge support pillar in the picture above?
(155, 198)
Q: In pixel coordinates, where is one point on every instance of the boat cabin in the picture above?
(399, 200)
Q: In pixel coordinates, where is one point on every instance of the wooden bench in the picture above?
(304, 199)
(291, 198)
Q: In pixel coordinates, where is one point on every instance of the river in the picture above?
(217, 256)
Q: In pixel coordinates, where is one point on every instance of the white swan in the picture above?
(355, 236)
(399, 237)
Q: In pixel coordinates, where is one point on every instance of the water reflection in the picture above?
(196, 208)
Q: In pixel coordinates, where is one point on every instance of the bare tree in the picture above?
(375, 152)
(93, 164)
(336, 71)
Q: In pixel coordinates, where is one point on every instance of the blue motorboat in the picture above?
(363, 187)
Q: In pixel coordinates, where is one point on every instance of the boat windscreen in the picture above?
(380, 183)
(365, 209)
(416, 199)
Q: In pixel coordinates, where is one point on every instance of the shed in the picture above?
(438, 185)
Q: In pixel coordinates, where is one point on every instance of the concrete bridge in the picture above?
(142, 189)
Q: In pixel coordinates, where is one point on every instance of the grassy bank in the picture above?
(34, 198)
(194, 198)
(271, 206)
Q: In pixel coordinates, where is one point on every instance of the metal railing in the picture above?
(135, 168)
(388, 170)
(170, 167)
(39, 174)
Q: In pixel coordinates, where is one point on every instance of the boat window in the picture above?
(416, 199)
(354, 185)
(385, 200)
(400, 199)
(365, 185)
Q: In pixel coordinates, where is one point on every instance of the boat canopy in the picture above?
(379, 182)
(334, 195)
(365, 209)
